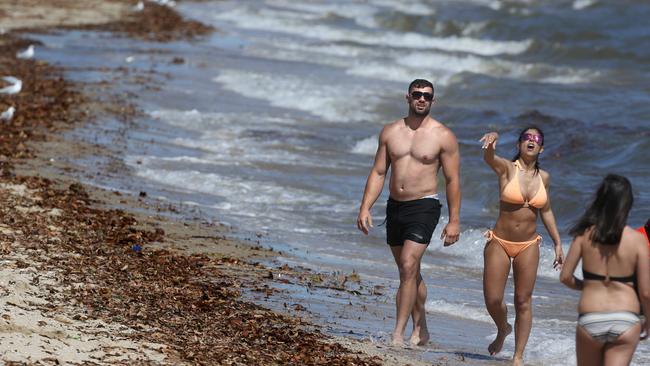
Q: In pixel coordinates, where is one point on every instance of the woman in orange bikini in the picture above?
(524, 197)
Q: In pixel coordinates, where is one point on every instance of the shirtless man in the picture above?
(416, 147)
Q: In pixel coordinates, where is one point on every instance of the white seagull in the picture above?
(169, 3)
(15, 88)
(27, 53)
(139, 6)
(8, 114)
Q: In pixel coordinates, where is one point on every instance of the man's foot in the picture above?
(517, 361)
(420, 338)
(397, 340)
(495, 347)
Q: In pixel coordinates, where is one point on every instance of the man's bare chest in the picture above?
(422, 147)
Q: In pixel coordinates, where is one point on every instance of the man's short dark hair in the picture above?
(421, 83)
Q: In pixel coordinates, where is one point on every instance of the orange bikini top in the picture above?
(512, 192)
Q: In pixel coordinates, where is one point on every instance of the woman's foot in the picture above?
(421, 337)
(518, 361)
(497, 344)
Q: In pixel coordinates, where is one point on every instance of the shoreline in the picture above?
(66, 246)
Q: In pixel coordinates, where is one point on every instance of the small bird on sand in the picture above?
(27, 53)
(15, 88)
(8, 114)
(170, 3)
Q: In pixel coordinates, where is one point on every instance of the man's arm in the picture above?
(374, 184)
(450, 162)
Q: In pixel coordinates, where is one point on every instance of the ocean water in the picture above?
(270, 125)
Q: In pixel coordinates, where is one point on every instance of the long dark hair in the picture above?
(521, 134)
(608, 211)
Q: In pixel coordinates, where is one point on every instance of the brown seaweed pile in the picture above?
(155, 23)
(108, 269)
(182, 301)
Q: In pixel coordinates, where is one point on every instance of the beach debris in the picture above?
(354, 277)
(14, 88)
(157, 21)
(341, 280)
(378, 290)
(139, 6)
(8, 114)
(27, 53)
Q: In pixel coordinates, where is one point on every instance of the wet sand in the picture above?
(102, 277)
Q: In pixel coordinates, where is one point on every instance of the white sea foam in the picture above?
(246, 190)
(412, 7)
(444, 67)
(583, 4)
(367, 146)
(396, 65)
(268, 20)
(346, 10)
(474, 28)
(392, 72)
(550, 345)
(332, 102)
(451, 64)
(226, 139)
(463, 310)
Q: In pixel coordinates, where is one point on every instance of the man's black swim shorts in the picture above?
(411, 220)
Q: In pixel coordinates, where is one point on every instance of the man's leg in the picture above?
(496, 266)
(420, 334)
(408, 258)
(524, 271)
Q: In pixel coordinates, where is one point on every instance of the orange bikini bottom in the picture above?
(512, 248)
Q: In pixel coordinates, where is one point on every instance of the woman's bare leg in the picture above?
(589, 352)
(620, 351)
(524, 269)
(496, 266)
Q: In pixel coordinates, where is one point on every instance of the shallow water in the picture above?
(270, 125)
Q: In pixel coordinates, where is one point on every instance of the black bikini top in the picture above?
(596, 277)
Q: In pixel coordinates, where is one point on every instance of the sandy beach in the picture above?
(94, 276)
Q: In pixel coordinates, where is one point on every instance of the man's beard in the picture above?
(418, 113)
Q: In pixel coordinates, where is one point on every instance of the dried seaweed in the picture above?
(108, 268)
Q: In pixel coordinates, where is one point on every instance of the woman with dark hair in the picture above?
(524, 196)
(614, 262)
